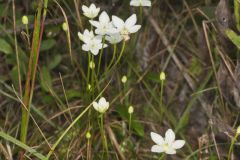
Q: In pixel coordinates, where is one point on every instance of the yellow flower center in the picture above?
(165, 146)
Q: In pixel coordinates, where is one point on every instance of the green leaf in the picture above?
(233, 37)
(5, 47)
(153, 77)
(21, 145)
(73, 94)
(14, 75)
(55, 61)
(138, 128)
(46, 80)
(47, 44)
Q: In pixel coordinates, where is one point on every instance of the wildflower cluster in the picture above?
(113, 31)
(109, 31)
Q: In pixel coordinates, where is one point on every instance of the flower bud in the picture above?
(92, 65)
(25, 20)
(124, 79)
(238, 130)
(89, 87)
(162, 76)
(88, 135)
(130, 109)
(65, 26)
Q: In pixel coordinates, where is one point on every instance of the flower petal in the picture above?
(95, 105)
(157, 149)
(169, 136)
(85, 47)
(146, 3)
(158, 139)
(170, 150)
(85, 8)
(134, 3)
(95, 52)
(117, 22)
(131, 21)
(102, 101)
(104, 18)
(134, 29)
(178, 144)
(94, 23)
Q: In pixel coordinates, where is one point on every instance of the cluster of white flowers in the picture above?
(113, 31)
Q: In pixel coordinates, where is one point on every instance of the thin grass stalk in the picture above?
(35, 40)
(32, 68)
(16, 50)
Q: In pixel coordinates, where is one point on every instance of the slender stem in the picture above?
(100, 58)
(104, 140)
(88, 71)
(92, 73)
(162, 157)
(130, 124)
(161, 101)
(113, 57)
(16, 50)
(28, 35)
(231, 146)
(121, 53)
(141, 14)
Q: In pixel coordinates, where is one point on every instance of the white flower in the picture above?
(114, 38)
(127, 27)
(91, 11)
(104, 25)
(167, 144)
(101, 106)
(86, 36)
(138, 3)
(93, 45)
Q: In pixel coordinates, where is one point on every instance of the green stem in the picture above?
(231, 146)
(162, 157)
(92, 73)
(161, 101)
(104, 140)
(113, 57)
(121, 53)
(88, 71)
(141, 14)
(100, 58)
(130, 124)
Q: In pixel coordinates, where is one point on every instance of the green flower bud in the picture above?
(124, 79)
(65, 26)
(162, 76)
(25, 20)
(130, 109)
(88, 135)
(238, 130)
(92, 65)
